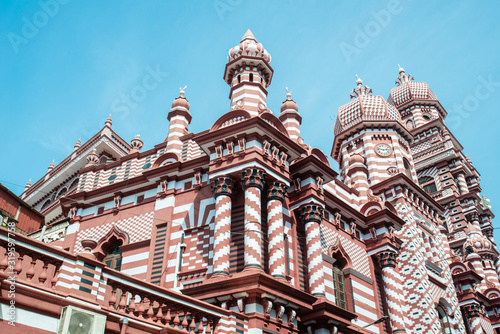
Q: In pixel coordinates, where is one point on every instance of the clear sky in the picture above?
(66, 65)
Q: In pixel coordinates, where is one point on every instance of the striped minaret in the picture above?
(275, 229)
(223, 189)
(179, 118)
(357, 174)
(392, 291)
(252, 181)
(311, 215)
(462, 184)
(249, 73)
(290, 116)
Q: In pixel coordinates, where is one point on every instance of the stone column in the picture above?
(252, 181)
(387, 261)
(473, 317)
(223, 189)
(311, 216)
(275, 229)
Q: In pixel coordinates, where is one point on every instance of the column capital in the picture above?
(387, 259)
(472, 310)
(311, 213)
(222, 185)
(252, 177)
(276, 190)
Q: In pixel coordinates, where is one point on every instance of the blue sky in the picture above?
(66, 65)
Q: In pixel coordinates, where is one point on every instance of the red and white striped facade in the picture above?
(244, 228)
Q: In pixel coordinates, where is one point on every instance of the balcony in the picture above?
(47, 278)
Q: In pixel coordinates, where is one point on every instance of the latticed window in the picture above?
(339, 286)
(443, 319)
(113, 258)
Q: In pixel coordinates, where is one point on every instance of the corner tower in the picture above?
(370, 127)
(248, 72)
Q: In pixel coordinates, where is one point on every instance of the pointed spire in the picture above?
(108, 122)
(248, 35)
(51, 166)
(360, 90)
(78, 144)
(28, 185)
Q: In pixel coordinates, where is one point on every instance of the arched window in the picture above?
(46, 204)
(251, 77)
(443, 319)
(427, 116)
(62, 192)
(239, 78)
(428, 184)
(113, 258)
(407, 167)
(339, 286)
(74, 184)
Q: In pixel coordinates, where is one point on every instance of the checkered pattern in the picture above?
(356, 253)
(411, 90)
(276, 238)
(196, 253)
(137, 227)
(222, 234)
(314, 259)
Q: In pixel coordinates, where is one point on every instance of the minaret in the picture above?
(28, 185)
(248, 72)
(179, 118)
(370, 127)
(290, 116)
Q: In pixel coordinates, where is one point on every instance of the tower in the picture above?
(372, 128)
(248, 72)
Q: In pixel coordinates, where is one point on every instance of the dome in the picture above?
(248, 47)
(356, 158)
(289, 104)
(407, 90)
(479, 242)
(181, 102)
(364, 107)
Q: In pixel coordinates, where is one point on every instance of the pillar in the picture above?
(462, 184)
(311, 216)
(223, 189)
(275, 229)
(473, 317)
(252, 181)
(387, 261)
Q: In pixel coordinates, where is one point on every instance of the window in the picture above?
(46, 204)
(239, 78)
(407, 167)
(443, 319)
(73, 184)
(339, 286)
(427, 116)
(62, 192)
(251, 77)
(113, 258)
(428, 184)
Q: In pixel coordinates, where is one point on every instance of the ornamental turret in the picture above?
(248, 72)
(179, 118)
(290, 116)
(370, 127)
(136, 144)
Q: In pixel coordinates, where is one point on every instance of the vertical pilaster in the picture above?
(252, 181)
(223, 189)
(311, 216)
(392, 291)
(275, 229)
(473, 317)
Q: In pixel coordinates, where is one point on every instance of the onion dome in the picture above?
(181, 102)
(364, 107)
(479, 243)
(51, 166)
(406, 90)
(248, 47)
(136, 144)
(108, 122)
(289, 104)
(92, 158)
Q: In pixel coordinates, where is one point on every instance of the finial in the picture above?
(182, 90)
(401, 69)
(136, 144)
(109, 122)
(28, 185)
(403, 77)
(358, 80)
(288, 94)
